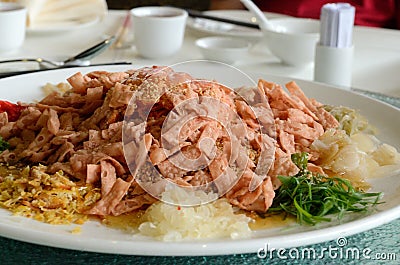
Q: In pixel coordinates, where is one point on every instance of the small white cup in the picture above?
(12, 26)
(295, 45)
(158, 30)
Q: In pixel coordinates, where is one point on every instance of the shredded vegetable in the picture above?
(4, 145)
(311, 198)
(350, 120)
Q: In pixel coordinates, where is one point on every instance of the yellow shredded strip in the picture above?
(53, 199)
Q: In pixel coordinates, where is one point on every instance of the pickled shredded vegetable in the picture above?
(350, 120)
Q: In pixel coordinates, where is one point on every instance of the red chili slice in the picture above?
(13, 110)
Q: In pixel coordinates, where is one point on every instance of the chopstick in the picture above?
(7, 74)
(198, 14)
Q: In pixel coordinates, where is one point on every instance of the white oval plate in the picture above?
(98, 238)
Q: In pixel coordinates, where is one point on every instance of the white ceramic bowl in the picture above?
(296, 45)
(223, 49)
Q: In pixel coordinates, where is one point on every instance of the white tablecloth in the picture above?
(376, 63)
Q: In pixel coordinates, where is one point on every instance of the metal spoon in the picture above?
(81, 59)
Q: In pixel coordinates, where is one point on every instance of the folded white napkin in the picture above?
(44, 13)
(337, 21)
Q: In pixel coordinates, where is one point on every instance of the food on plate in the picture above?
(3, 145)
(356, 157)
(51, 198)
(312, 197)
(115, 142)
(350, 120)
(217, 219)
(13, 110)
